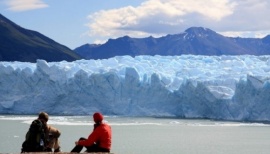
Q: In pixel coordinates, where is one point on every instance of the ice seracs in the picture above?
(217, 87)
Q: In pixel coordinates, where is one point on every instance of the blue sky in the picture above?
(77, 22)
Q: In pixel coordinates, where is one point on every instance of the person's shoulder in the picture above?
(36, 121)
(105, 125)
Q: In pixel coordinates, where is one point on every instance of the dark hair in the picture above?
(44, 116)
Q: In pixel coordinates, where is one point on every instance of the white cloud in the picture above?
(25, 5)
(156, 17)
(246, 34)
(161, 17)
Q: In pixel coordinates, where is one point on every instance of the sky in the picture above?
(74, 23)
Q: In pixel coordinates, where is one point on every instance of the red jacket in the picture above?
(102, 135)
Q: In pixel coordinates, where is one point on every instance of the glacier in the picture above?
(187, 86)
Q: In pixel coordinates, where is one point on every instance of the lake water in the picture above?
(149, 135)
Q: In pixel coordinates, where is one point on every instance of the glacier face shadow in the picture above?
(215, 87)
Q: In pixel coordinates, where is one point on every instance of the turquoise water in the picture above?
(150, 135)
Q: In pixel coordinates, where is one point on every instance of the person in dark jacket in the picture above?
(99, 140)
(50, 137)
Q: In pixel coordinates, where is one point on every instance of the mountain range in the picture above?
(194, 40)
(20, 44)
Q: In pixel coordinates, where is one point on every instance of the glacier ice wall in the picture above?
(215, 87)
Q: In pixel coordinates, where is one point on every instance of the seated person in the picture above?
(99, 140)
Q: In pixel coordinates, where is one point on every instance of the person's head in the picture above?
(98, 117)
(43, 116)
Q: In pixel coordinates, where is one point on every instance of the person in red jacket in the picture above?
(99, 140)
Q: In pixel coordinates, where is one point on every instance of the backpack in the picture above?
(35, 138)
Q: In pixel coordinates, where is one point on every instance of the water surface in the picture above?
(149, 135)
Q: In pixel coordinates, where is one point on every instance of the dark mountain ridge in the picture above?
(195, 40)
(19, 44)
